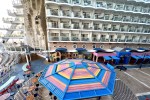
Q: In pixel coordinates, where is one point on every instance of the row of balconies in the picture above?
(101, 16)
(100, 27)
(12, 28)
(13, 36)
(17, 3)
(15, 13)
(13, 20)
(144, 1)
(105, 5)
(94, 39)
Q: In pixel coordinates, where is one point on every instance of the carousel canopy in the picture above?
(78, 78)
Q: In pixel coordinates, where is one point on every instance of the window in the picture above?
(74, 46)
(94, 46)
(84, 46)
(102, 46)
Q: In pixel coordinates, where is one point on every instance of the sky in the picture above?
(4, 5)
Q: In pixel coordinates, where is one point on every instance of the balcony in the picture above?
(73, 38)
(137, 9)
(15, 13)
(115, 28)
(53, 38)
(64, 25)
(87, 3)
(63, 1)
(134, 19)
(101, 4)
(110, 6)
(95, 39)
(126, 19)
(128, 7)
(119, 7)
(128, 40)
(117, 18)
(17, 4)
(121, 40)
(99, 16)
(12, 20)
(86, 26)
(84, 39)
(104, 39)
(54, 12)
(143, 20)
(96, 27)
(86, 15)
(75, 2)
(66, 13)
(113, 40)
(52, 24)
(64, 38)
(75, 26)
(77, 14)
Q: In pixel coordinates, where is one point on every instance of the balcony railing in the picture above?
(75, 2)
(75, 38)
(53, 38)
(84, 39)
(64, 38)
(54, 12)
(95, 39)
(87, 3)
(63, 1)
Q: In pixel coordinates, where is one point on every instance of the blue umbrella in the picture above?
(78, 78)
(61, 50)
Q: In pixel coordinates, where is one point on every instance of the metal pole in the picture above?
(26, 57)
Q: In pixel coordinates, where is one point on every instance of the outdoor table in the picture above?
(30, 97)
(24, 67)
(31, 88)
(5, 85)
(4, 96)
(34, 80)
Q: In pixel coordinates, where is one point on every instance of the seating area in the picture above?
(31, 89)
(7, 61)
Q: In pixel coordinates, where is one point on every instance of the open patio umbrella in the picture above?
(78, 78)
(61, 50)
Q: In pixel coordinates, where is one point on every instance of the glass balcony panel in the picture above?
(63, 1)
(126, 19)
(145, 10)
(143, 20)
(115, 28)
(86, 26)
(75, 2)
(84, 39)
(66, 25)
(75, 39)
(128, 7)
(54, 38)
(54, 12)
(137, 9)
(77, 14)
(76, 26)
(101, 4)
(64, 38)
(95, 39)
(148, 21)
(135, 19)
(87, 3)
(107, 16)
(110, 6)
(66, 13)
(86, 15)
(96, 27)
(117, 18)
(99, 16)
(119, 7)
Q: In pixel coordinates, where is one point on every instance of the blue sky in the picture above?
(4, 5)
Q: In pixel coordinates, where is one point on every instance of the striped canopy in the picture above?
(78, 78)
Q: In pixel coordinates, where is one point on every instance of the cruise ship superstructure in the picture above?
(15, 30)
(97, 23)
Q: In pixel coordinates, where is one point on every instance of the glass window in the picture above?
(84, 46)
(94, 46)
(74, 46)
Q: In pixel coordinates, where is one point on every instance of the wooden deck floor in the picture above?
(137, 80)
